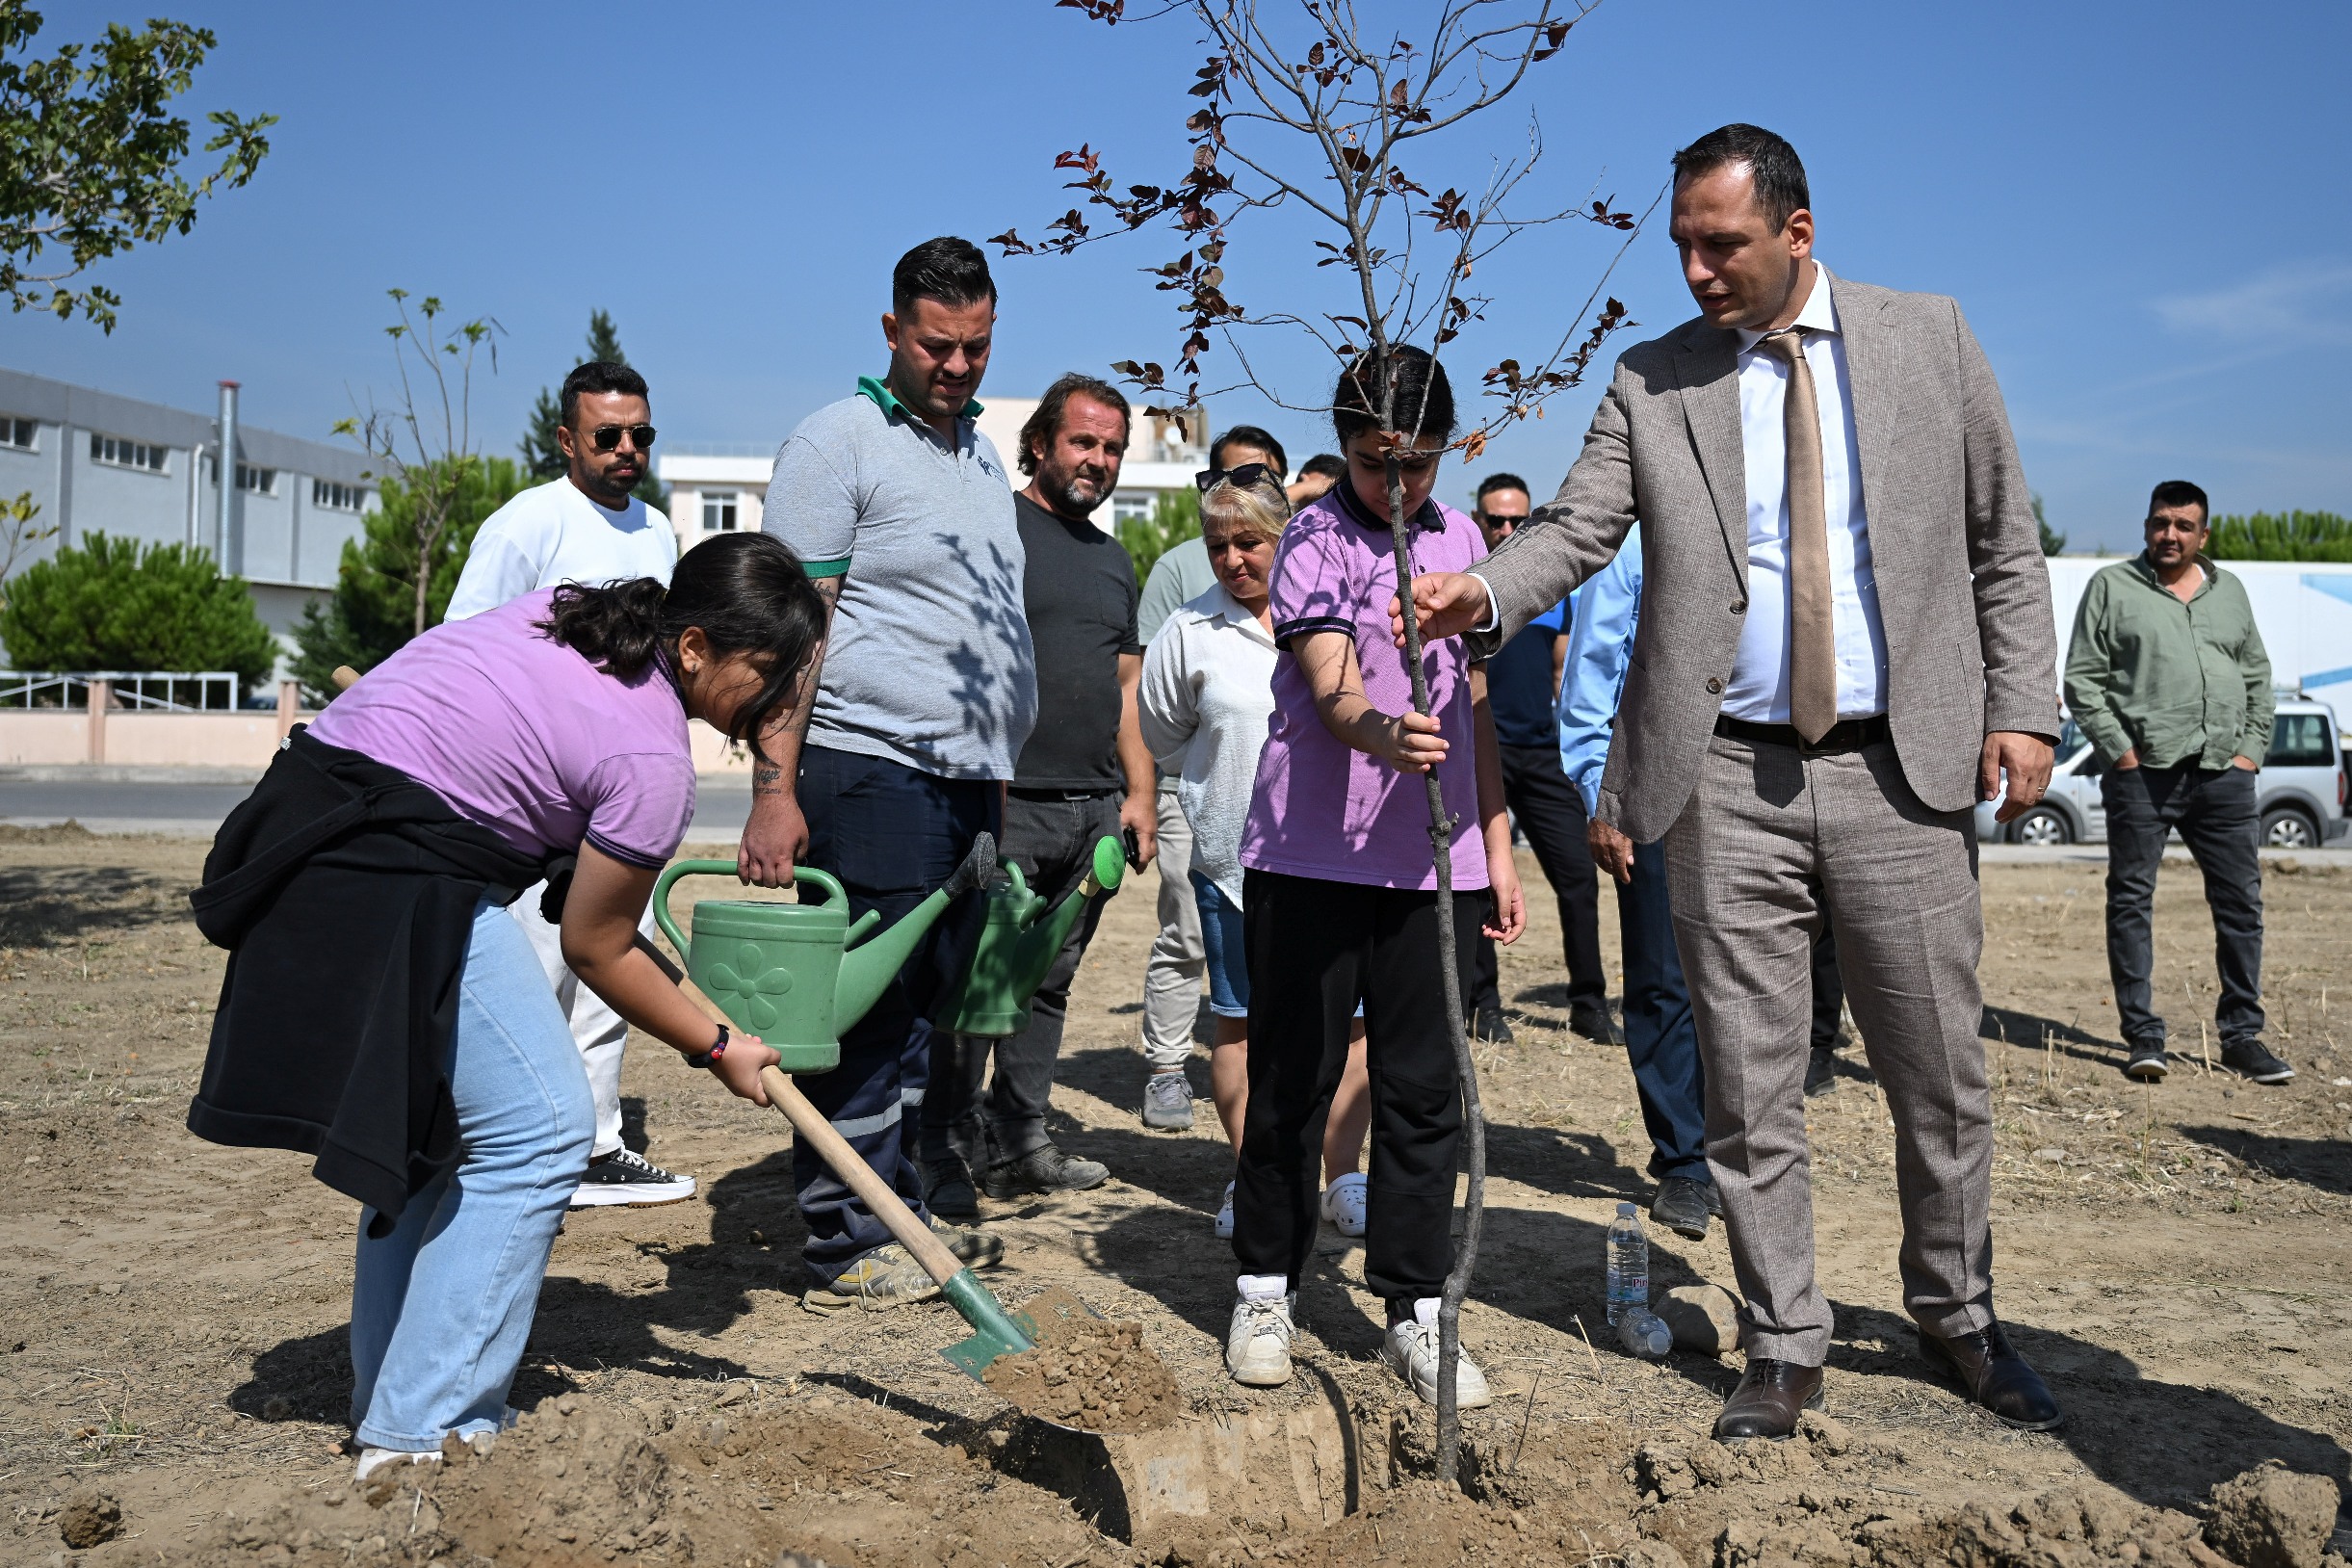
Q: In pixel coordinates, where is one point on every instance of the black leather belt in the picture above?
(1846, 734)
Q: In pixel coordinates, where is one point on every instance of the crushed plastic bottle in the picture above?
(1645, 1334)
(1628, 1265)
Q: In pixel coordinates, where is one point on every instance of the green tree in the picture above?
(18, 534)
(1175, 518)
(540, 454)
(117, 604)
(91, 159)
(372, 614)
(2293, 536)
(2053, 543)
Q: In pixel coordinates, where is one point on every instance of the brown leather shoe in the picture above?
(1770, 1395)
(1996, 1376)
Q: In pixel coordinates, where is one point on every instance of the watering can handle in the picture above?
(810, 876)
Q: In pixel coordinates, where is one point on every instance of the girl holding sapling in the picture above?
(1339, 892)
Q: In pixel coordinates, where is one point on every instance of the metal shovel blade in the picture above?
(995, 1332)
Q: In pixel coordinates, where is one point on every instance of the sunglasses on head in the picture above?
(1249, 474)
(608, 436)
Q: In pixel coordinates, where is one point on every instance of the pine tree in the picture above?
(541, 456)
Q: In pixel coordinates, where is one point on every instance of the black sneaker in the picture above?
(1682, 1206)
(2252, 1060)
(626, 1176)
(1490, 1024)
(1041, 1170)
(947, 1187)
(1821, 1072)
(2148, 1063)
(1592, 1021)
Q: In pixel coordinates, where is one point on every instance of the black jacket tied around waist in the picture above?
(345, 892)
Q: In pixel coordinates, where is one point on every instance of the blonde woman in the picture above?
(1206, 696)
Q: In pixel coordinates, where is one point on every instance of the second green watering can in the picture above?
(1018, 945)
(796, 975)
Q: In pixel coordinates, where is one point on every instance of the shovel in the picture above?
(994, 1333)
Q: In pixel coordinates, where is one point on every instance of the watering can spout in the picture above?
(1018, 945)
(867, 969)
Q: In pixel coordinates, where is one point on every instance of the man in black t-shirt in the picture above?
(1083, 776)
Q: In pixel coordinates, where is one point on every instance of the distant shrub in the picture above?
(117, 604)
(2294, 536)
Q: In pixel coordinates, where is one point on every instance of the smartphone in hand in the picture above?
(1135, 848)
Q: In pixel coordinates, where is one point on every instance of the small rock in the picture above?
(736, 1394)
(1653, 1555)
(2055, 1157)
(2273, 1518)
(1704, 1318)
(90, 1519)
(1825, 1432)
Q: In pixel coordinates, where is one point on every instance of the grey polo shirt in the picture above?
(930, 663)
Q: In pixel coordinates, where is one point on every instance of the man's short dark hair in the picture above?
(947, 269)
(1502, 482)
(1328, 465)
(1780, 176)
(600, 376)
(1248, 435)
(1041, 427)
(2180, 492)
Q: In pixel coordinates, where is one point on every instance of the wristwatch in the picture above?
(711, 1056)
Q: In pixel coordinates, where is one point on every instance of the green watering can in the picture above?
(796, 975)
(1019, 944)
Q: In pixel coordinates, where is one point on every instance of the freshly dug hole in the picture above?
(1086, 1372)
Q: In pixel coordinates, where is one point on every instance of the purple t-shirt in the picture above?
(1324, 809)
(525, 736)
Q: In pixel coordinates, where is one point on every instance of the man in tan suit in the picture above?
(1847, 641)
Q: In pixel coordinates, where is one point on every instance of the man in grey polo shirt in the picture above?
(903, 512)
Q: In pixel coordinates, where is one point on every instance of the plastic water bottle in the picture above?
(1645, 1334)
(1628, 1265)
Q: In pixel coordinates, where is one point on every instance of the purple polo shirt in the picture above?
(1322, 808)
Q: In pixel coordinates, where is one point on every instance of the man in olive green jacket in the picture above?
(2168, 678)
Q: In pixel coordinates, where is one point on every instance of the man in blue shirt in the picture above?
(1522, 684)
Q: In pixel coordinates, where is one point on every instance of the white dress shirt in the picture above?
(1206, 696)
(1758, 689)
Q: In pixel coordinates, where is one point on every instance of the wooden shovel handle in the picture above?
(880, 1198)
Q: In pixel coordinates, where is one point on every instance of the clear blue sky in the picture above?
(2144, 208)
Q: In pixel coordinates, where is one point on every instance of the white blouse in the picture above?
(1206, 697)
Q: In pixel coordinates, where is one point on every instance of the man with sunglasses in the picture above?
(586, 527)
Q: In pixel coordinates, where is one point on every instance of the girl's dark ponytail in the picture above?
(746, 591)
(617, 626)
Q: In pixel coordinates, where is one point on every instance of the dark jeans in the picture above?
(891, 834)
(2215, 811)
(1660, 1038)
(1551, 814)
(1828, 991)
(1315, 949)
(1052, 843)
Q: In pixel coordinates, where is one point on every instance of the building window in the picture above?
(326, 492)
(257, 480)
(19, 433)
(1131, 506)
(718, 511)
(112, 448)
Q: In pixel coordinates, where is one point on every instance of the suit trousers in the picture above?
(1773, 842)
(1551, 816)
(1051, 840)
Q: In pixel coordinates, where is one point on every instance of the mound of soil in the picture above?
(1086, 1372)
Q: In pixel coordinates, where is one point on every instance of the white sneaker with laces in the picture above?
(1258, 1341)
(625, 1176)
(1344, 1202)
(1224, 1216)
(1410, 1347)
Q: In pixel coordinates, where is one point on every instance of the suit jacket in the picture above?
(1963, 595)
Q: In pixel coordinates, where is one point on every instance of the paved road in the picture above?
(196, 810)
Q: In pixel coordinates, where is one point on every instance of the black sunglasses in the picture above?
(608, 436)
(1249, 474)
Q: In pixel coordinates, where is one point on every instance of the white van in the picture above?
(2301, 789)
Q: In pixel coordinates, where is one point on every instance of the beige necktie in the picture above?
(1813, 644)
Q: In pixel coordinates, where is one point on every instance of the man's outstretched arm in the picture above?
(777, 835)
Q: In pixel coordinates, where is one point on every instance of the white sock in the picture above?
(1264, 1286)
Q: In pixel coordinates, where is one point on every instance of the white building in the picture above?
(715, 488)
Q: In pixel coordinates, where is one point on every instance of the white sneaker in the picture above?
(1224, 1216)
(1344, 1205)
(1411, 1348)
(1258, 1343)
(371, 1460)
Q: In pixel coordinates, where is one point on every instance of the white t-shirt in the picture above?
(1206, 696)
(552, 534)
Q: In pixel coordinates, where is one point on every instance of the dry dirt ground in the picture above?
(171, 1319)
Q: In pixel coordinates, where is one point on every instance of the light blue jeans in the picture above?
(442, 1307)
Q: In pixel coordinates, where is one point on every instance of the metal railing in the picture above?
(149, 690)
